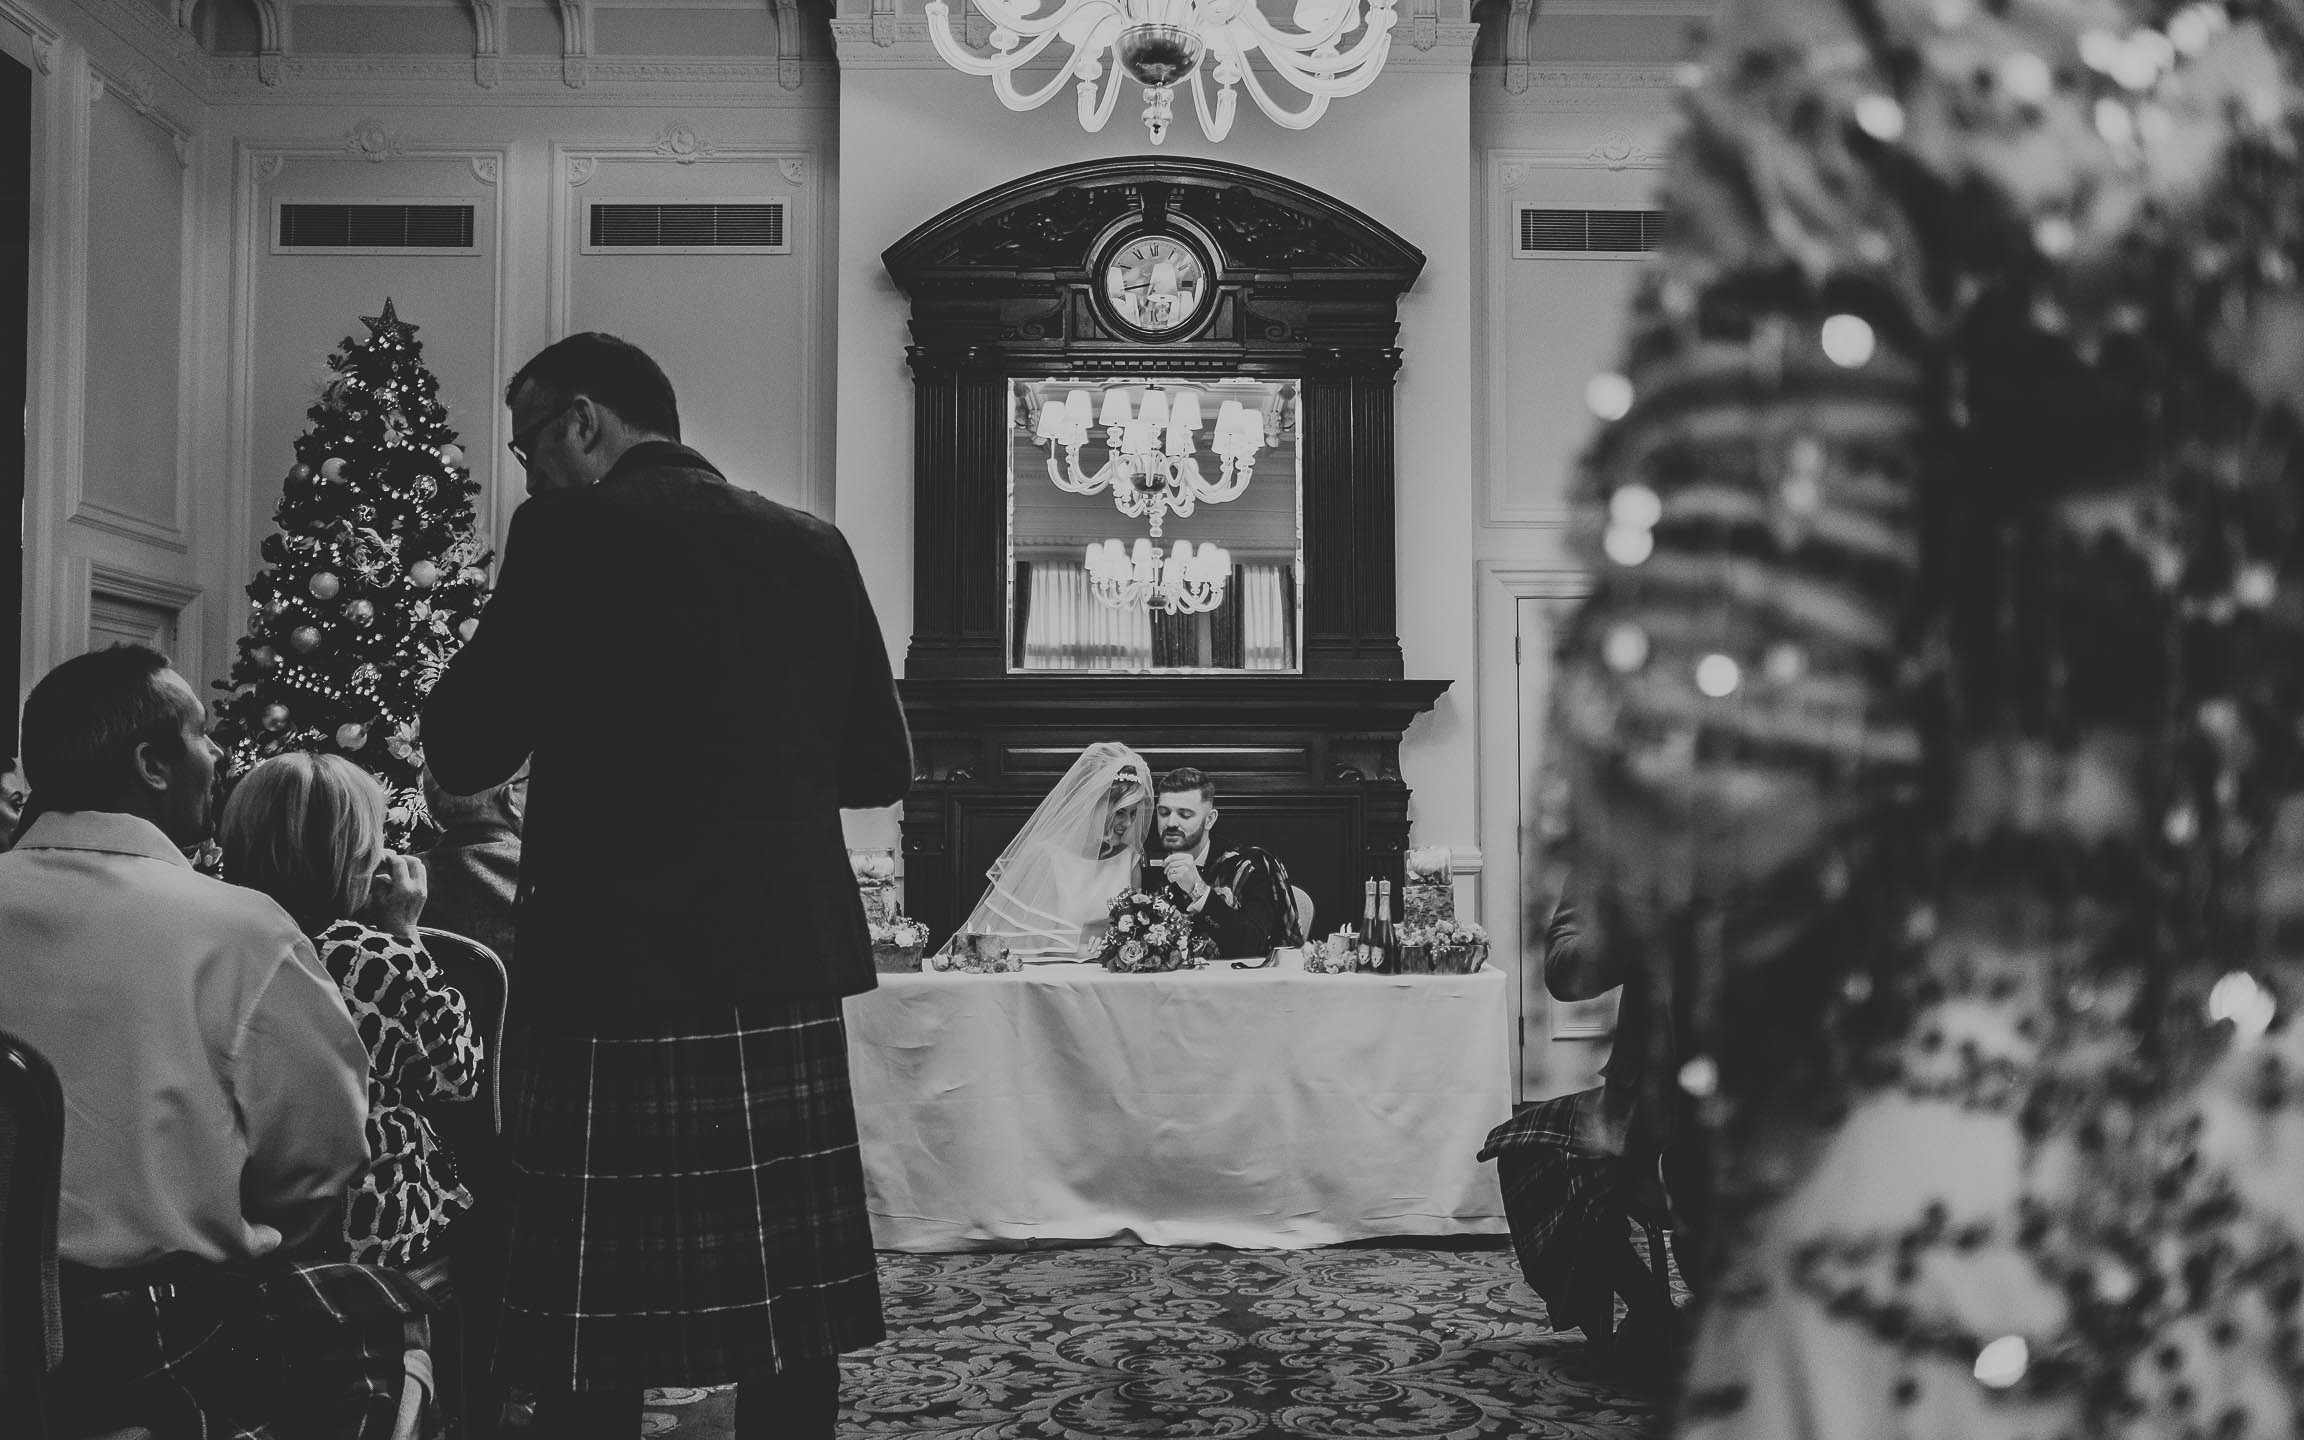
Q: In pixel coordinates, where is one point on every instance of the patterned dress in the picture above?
(1933, 728)
(421, 1046)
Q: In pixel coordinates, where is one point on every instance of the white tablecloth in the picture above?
(1251, 1108)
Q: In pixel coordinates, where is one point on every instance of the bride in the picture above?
(1080, 848)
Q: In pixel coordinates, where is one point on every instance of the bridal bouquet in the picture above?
(1149, 934)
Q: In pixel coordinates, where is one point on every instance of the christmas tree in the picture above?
(373, 580)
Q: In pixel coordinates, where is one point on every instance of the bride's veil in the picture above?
(1061, 870)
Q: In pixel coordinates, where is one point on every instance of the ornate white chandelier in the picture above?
(1152, 470)
(1184, 582)
(1161, 44)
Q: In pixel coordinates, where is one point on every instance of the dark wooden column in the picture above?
(960, 509)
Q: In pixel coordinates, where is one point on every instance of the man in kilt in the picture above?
(687, 1201)
(1573, 1168)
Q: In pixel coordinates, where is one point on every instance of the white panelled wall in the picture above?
(174, 350)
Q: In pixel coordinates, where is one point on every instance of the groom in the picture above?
(1238, 896)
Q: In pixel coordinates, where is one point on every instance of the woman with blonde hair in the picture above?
(308, 830)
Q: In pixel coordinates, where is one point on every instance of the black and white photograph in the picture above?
(1152, 719)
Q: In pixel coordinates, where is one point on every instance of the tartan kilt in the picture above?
(685, 1208)
(1563, 1197)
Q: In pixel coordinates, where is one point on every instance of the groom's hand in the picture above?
(1183, 872)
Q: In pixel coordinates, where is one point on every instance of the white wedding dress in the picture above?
(1081, 848)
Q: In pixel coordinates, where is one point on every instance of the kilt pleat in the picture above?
(1563, 1197)
(684, 1208)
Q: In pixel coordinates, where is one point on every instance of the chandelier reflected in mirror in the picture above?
(1151, 464)
(1184, 581)
(1331, 48)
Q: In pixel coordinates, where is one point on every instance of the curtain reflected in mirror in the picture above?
(1155, 524)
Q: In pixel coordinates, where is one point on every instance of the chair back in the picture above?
(1303, 911)
(31, 1174)
(478, 975)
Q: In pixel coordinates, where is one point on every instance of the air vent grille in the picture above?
(752, 226)
(1588, 232)
(375, 227)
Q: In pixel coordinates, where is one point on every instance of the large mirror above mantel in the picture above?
(1155, 525)
(1043, 312)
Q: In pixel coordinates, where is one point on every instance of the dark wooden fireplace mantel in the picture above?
(1003, 286)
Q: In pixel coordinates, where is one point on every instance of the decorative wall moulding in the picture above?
(1517, 86)
(371, 141)
(428, 80)
(888, 41)
(160, 534)
(679, 141)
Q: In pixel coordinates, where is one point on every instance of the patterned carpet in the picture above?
(1097, 1344)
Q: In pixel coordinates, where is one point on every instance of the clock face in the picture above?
(1155, 282)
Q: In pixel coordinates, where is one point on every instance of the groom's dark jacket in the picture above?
(701, 680)
(1250, 908)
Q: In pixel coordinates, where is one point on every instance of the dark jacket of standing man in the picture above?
(686, 1192)
(722, 646)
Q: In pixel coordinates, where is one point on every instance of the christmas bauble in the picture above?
(300, 474)
(351, 736)
(366, 676)
(325, 585)
(275, 716)
(424, 487)
(472, 575)
(305, 638)
(361, 612)
(466, 626)
(263, 657)
(423, 575)
(451, 455)
(275, 607)
(332, 468)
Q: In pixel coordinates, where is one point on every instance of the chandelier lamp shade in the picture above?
(1332, 48)
(1152, 469)
(1184, 581)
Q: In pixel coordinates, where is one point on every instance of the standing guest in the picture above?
(687, 1200)
(474, 867)
(14, 793)
(308, 830)
(1238, 895)
(214, 1087)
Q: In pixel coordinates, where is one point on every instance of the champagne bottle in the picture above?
(1387, 933)
(1369, 954)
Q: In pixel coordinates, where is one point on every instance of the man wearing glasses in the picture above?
(687, 1200)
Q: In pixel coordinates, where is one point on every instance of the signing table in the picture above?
(1253, 1108)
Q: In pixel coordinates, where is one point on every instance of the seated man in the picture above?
(1573, 1167)
(215, 1089)
(1239, 895)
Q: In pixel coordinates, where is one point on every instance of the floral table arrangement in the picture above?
(1444, 947)
(1339, 954)
(1150, 935)
(973, 952)
(897, 942)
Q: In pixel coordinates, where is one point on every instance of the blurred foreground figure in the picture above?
(1933, 729)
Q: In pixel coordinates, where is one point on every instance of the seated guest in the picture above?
(474, 867)
(308, 830)
(1571, 1167)
(13, 795)
(214, 1087)
(1239, 896)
